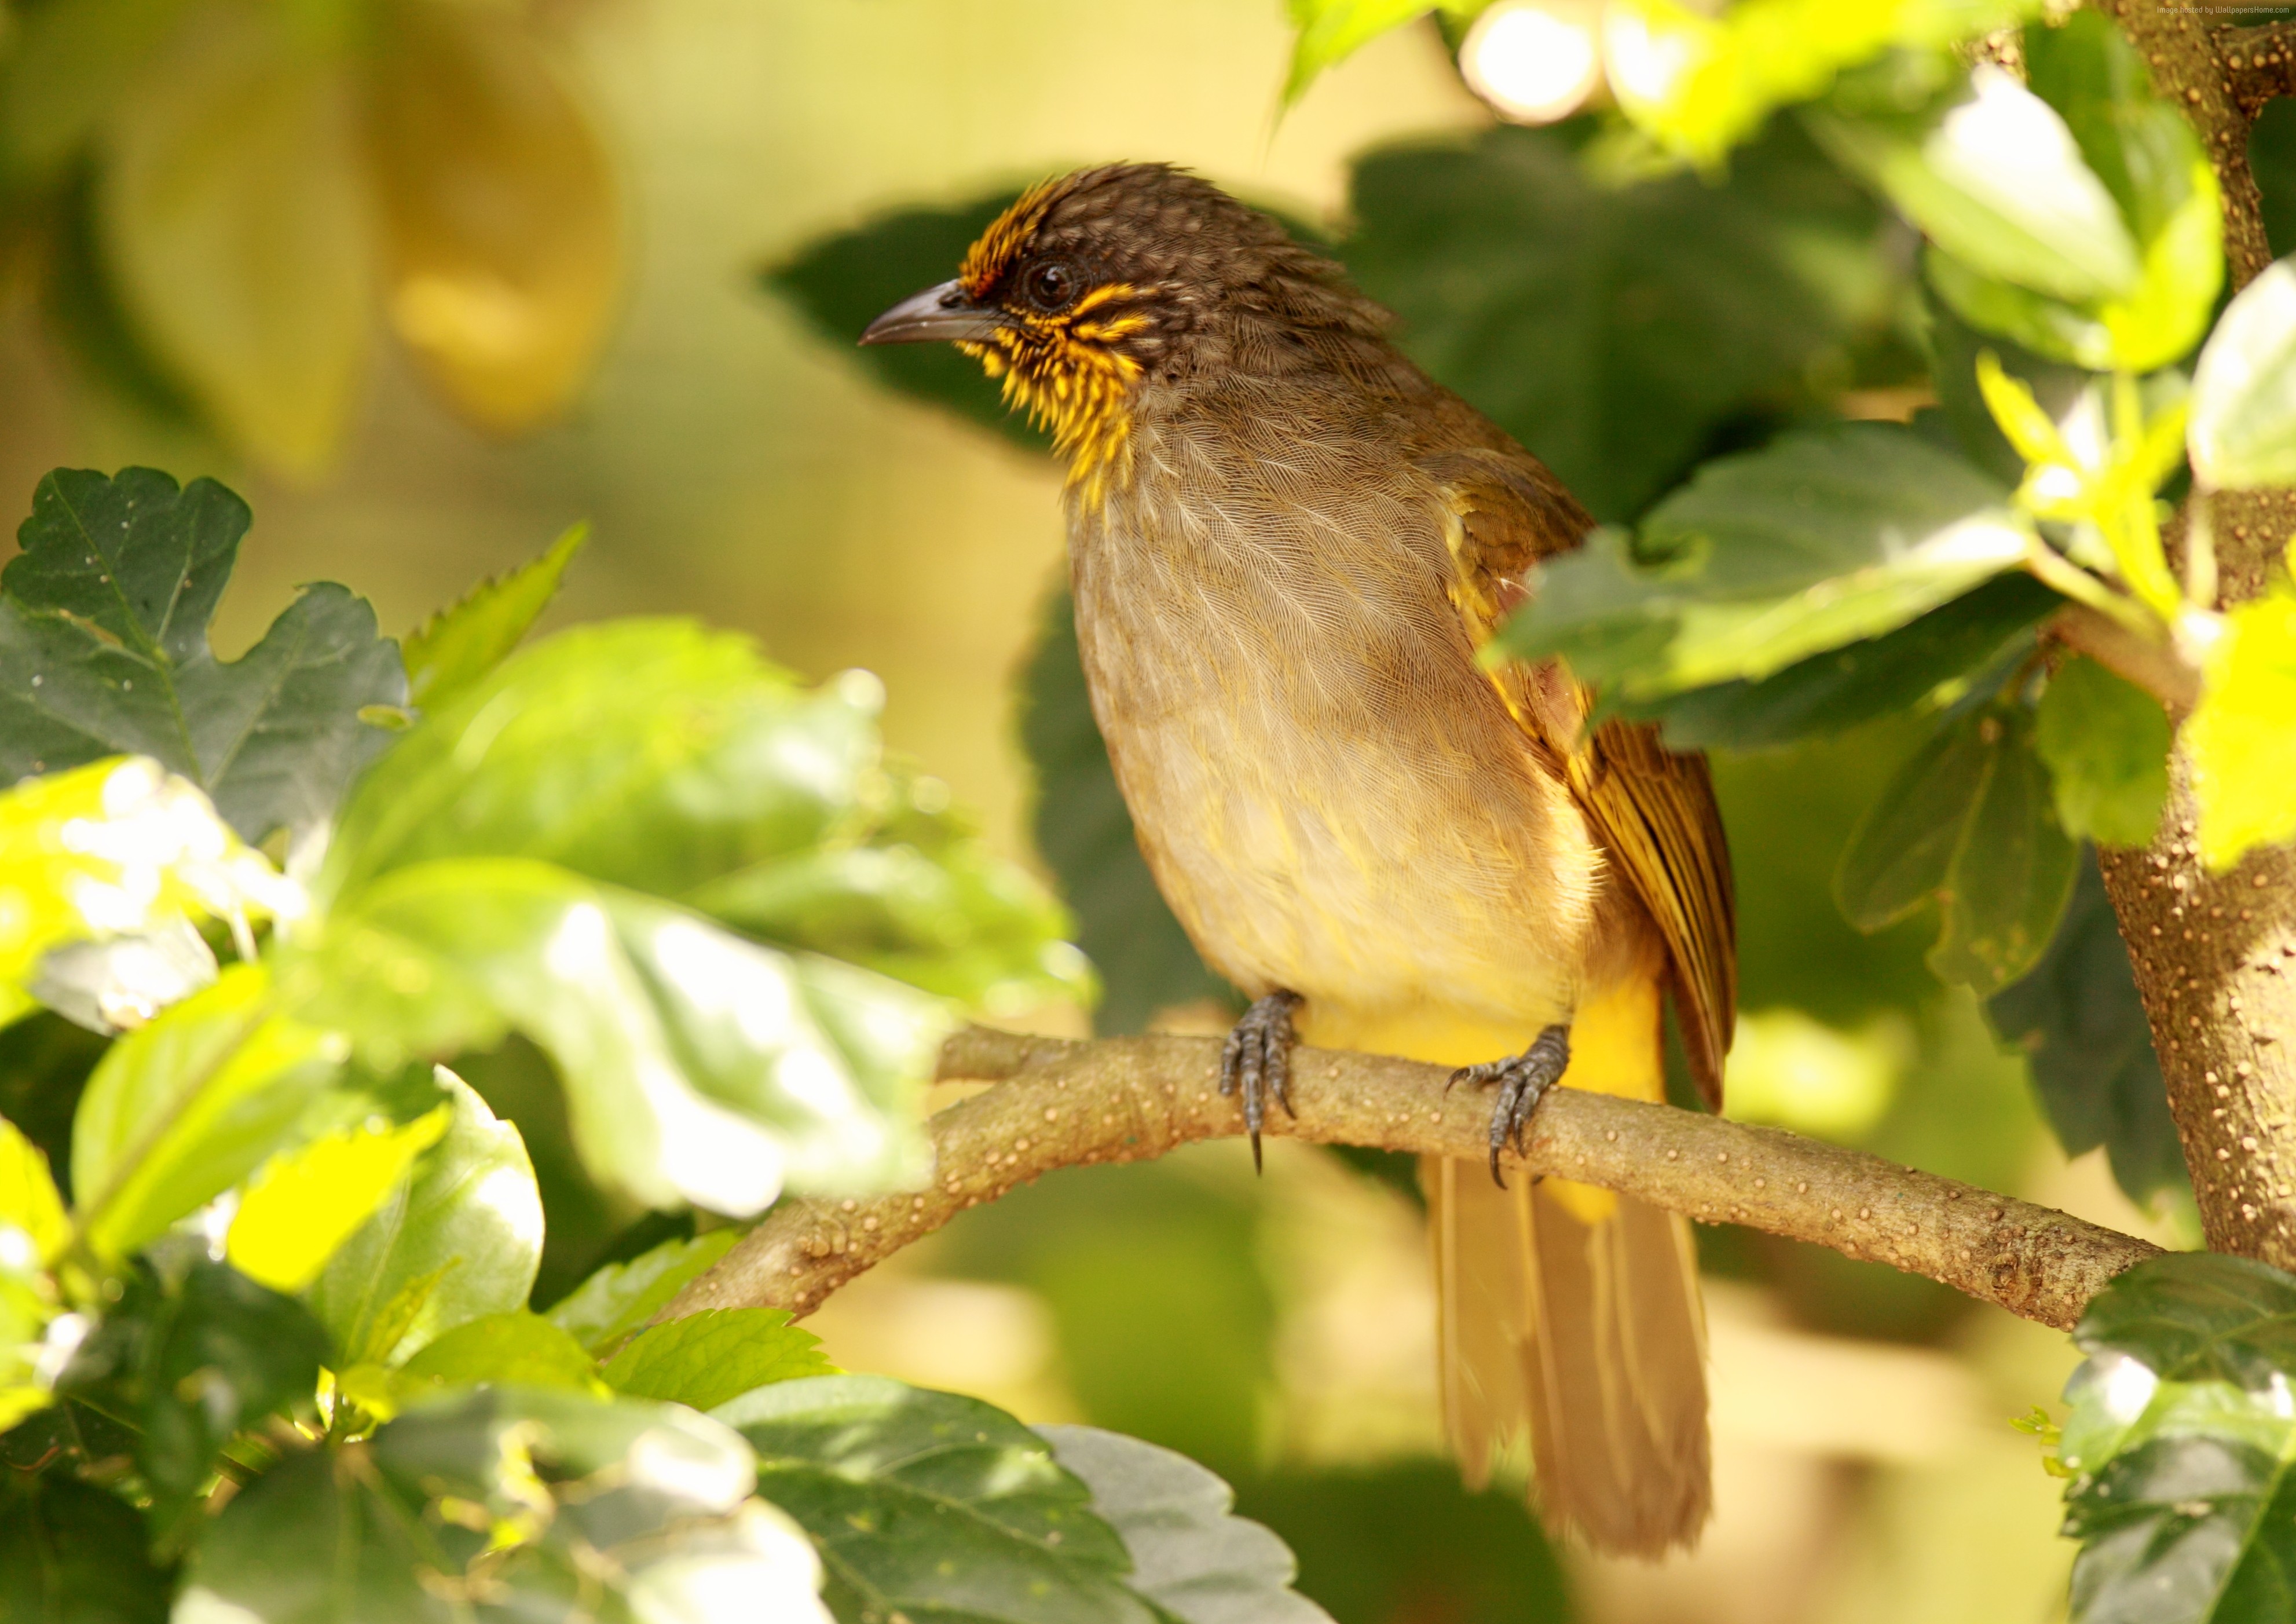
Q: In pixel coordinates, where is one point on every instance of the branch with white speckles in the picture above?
(1061, 1104)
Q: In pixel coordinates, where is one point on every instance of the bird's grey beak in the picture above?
(942, 312)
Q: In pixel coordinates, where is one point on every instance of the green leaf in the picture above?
(706, 1359)
(67, 66)
(2088, 1048)
(1998, 181)
(623, 1298)
(305, 1203)
(103, 651)
(183, 1108)
(73, 1553)
(654, 754)
(1966, 824)
(1196, 1563)
(928, 1502)
(699, 1067)
(2239, 736)
(193, 1362)
(2242, 434)
(28, 1202)
(1330, 32)
(516, 1347)
(2181, 1435)
(1820, 538)
(1962, 411)
(463, 642)
(1615, 329)
(2106, 743)
(842, 284)
(1084, 834)
(459, 1237)
(1860, 682)
(913, 892)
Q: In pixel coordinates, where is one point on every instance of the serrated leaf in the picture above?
(500, 222)
(931, 1501)
(1966, 824)
(699, 1067)
(649, 753)
(1084, 834)
(2239, 738)
(623, 1298)
(518, 1346)
(233, 204)
(305, 1203)
(183, 1108)
(1505, 257)
(2242, 433)
(461, 643)
(74, 1552)
(2088, 1048)
(103, 651)
(460, 1236)
(704, 1359)
(2106, 743)
(1859, 682)
(1820, 539)
(1190, 1557)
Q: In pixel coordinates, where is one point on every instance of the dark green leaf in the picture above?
(460, 1236)
(1822, 539)
(2185, 1530)
(1860, 682)
(843, 284)
(654, 754)
(72, 1554)
(2198, 1316)
(461, 643)
(195, 1361)
(706, 1359)
(103, 651)
(516, 1347)
(1189, 1555)
(1966, 824)
(2272, 160)
(622, 1298)
(1084, 835)
(1613, 329)
(928, 1502)
(2106, 743)
(2090, 1049)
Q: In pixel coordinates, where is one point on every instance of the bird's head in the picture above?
(1101, 282)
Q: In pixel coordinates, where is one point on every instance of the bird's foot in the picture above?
(1258, 1060)
(1523, 1080)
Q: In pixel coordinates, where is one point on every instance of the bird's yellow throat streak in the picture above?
(1066, 372)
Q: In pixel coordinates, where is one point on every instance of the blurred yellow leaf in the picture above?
(234, 213)
(502, 234)
(306, 1201)
(2241, 744)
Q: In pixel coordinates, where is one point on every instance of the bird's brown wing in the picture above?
(1652, 810)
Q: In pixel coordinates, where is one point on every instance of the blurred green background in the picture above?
(736, 466)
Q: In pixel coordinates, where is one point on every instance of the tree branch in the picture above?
(1065, 1104)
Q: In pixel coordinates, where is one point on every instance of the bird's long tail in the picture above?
(1573, 1315)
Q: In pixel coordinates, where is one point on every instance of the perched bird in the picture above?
(1287, 543)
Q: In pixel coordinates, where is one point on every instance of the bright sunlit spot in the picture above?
(1533, 63)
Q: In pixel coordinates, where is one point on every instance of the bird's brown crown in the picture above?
(1112, 278)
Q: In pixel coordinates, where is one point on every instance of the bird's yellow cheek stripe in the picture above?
(1063, 372)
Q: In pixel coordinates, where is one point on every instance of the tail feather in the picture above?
(1589, 1337)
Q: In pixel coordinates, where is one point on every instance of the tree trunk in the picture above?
(2215, 955)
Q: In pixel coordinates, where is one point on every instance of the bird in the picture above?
(1288, 548)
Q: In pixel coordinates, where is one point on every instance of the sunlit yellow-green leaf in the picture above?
(28, 1202)
(500, 222)
(464, 641)
(2243, 428)
(305, 1203)
(232, 211)
(2242, 736)
(518, 1346)
(1331, 31)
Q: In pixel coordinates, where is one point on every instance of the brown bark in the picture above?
(1062, 1104)
(2216, 955)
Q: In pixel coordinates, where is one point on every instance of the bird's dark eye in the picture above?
(1051, 286)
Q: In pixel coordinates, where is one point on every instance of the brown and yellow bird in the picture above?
(1287, 543)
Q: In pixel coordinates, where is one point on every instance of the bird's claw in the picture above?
(1257, 1060)
(1523, 1080)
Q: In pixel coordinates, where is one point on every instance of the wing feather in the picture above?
(1652, 810)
